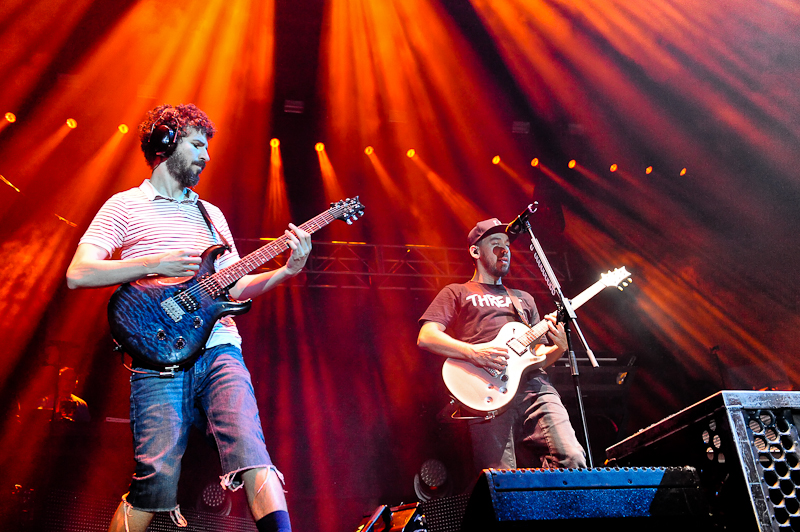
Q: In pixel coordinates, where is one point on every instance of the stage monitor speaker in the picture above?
(574, 499)
(744, 446)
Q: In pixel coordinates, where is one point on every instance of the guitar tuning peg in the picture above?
(349, 221)
(625, 284)
(619, 288)
(630, 279)
(355, 217)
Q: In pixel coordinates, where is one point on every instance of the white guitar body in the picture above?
(486, 391)
(476, 388)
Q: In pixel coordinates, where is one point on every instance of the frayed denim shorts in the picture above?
(214, 394)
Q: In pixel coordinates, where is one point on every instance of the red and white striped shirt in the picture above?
(140, 222)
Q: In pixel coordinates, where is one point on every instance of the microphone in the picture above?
(518, 224)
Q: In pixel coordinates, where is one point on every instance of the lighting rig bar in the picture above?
(409, 267)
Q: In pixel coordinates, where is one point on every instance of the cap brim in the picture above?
(498, 229)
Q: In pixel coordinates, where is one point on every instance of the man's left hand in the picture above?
(556, 332)
(299, 242)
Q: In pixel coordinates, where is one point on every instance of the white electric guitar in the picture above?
(489, 391)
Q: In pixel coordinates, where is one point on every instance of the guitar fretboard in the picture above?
(234, 272)
(540, 328)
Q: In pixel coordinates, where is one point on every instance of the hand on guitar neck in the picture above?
(558, 340)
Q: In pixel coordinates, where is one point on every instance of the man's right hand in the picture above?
(179, 263)
(489, 356)
(91, 267)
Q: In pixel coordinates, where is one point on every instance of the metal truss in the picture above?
(410, 267)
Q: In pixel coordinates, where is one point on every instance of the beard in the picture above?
(183, 171)
(498, 269)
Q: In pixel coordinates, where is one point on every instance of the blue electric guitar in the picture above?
(165, 322)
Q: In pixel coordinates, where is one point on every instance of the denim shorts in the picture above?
(214, 394)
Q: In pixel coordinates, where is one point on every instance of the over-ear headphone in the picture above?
(163, 140)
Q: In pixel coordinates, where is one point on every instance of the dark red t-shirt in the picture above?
(475, 312)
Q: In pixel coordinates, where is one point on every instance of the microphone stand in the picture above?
(567, 314)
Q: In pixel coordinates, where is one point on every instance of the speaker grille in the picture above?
(445, 515)
(773, 441)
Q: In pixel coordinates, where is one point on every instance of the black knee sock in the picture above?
(275, 522)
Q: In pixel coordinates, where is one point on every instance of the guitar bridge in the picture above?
(173, 309)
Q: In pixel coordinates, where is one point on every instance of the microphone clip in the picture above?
(517, 226)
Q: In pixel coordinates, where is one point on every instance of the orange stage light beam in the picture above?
(44, 150)
(333, 189)
(389, 184)
(464, 210)
(277, 200)
(526, 186)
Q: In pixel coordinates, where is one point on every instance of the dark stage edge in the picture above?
(66, 511)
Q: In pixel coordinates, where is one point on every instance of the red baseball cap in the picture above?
(486, 228)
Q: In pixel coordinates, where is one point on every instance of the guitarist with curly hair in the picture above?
(533, 428)
(160, 230)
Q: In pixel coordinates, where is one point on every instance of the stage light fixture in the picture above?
(319, 146)
(274, 143)
(369, 150)
(683, 172)
(123, 128)
(411, 153)
(613, 168)
(648, 170)
(11, 118)
(496, 159)
(572, 163)
(535, 162)
(432, 481)
(71, 123)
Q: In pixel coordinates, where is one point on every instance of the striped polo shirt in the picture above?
(139, 222)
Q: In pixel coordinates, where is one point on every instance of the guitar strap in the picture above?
(210, 224)
(517, 306)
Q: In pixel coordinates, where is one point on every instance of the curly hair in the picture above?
(179, 118)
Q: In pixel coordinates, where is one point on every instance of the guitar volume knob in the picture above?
(180, 343)
(161, 335)
(198, 322)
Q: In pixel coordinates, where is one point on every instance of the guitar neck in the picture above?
(540, 328)
(229, 275)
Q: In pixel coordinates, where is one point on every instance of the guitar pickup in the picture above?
(516, 346)
(187, 301)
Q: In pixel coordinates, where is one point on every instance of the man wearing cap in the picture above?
(534, 431)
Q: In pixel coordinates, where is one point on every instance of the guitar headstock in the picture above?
(617, 277)
(347, 210)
